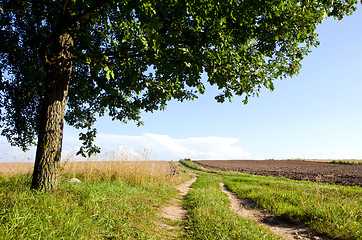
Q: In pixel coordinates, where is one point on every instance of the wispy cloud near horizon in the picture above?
(164, 147)
(155, 146)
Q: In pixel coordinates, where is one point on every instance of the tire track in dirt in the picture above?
(174, 210)
(278, 225)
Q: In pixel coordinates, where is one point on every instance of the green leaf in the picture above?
(241, 45)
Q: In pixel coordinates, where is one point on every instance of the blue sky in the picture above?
(316, 114)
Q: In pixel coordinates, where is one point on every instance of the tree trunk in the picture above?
(49, 147)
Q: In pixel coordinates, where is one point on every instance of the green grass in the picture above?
(192, 165)
(188, 163)
(211, 218)
(89, 210)
(116, 205)
(335, 211)
(332, 210)
(346, 162)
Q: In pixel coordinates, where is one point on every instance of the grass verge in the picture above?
(331, 210)
(210, 217)
(335, 211)
(346, 162)
(100, 207)
(195, 166)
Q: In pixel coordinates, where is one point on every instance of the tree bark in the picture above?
(50, 136)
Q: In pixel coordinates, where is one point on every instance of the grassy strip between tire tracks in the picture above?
(210, 217)
(335, 211)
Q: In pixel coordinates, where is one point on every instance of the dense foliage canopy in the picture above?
(135, 55)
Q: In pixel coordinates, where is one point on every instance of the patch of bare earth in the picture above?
(174, 211)
(280, 226)
(341, 174)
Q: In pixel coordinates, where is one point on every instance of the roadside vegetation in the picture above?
(188, 163)
(332, 210)
(346, 162)
(335, 211)
(107, 204)
(122, 200)
(210, 217)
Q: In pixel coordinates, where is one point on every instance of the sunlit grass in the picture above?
(122, 200)
(195, 166)
(211, 218)
(332, 210)
(114, 200)
(115, 165)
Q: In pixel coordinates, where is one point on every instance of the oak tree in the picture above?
(76, 60)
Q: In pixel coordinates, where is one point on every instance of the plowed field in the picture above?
(349, 175)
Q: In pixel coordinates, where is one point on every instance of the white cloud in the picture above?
(163, 147)
(215, 148)
(152, 146)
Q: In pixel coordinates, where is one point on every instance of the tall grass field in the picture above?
(114, 200)
(123, 200)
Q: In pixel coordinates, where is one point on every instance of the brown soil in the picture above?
(348, 175)
(174, 212)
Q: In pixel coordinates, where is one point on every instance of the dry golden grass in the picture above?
(131, 171)
(119, 165)
(114, 165)
(16, 167)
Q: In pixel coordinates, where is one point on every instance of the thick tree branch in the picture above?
(57, 32)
